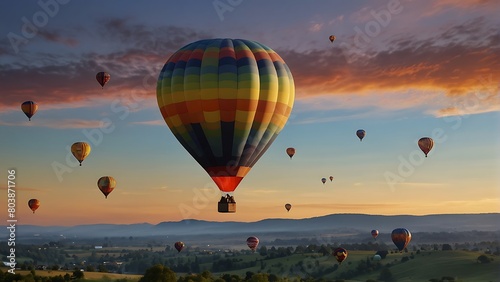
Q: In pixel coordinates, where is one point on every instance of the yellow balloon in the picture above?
(80, 150)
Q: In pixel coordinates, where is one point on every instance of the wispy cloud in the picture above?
(59, 124)
(150, 122)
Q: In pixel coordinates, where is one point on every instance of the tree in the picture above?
(77, 274)
(446, 247)
(158, 273)
(483, 259)
(386, 275)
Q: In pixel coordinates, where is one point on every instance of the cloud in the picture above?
(60, 124)
(24, 189)
(150, 122)
(58, 38)
(457, 62)
(69, 79)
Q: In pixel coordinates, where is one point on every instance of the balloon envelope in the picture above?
(225, 100)
(29, 108)
(331, 178)
(34, 204)
(179, 246)
(323, 180)
(361, 134)
(290, 151)
(80, 151)
(425, 144)
(332, 38)
(374, 233)
(340, 254)
(106, 184)
(253, 242)
(401, 237)
(102, 78)
(288, 207)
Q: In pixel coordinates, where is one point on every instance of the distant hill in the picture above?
(335, 223)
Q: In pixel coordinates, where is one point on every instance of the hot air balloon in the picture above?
(226, 101)
(179, 246)
(425, 144)
(332, 38)
(29, 108)
(340, 254)
(106, 184)
(361, 134)
(253, 242)
(323, 180)
(401, 237)
(288, 207)
(331, 178)
(374, 233)
(80, 150)
(102, 78)
(34, 204)
(290, 151)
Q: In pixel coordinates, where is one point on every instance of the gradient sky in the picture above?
(400, 70)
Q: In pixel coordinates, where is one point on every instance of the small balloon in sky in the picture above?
(29, 108)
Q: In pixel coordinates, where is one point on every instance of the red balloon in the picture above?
(102, 78)
(179, 246)
(340, 254)
(253, 242)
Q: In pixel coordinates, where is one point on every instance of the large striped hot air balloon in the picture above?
(225, 100)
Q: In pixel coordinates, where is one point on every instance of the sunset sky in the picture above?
(400, 70)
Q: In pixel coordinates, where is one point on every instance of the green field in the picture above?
(423, 266)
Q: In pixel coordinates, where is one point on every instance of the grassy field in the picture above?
(89, 276)
(461, 265)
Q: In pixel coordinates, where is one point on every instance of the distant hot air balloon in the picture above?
(361, 134)
(290, 151)
(332, 38)
(29, 108)
(34, 204)
(340, 254)
(377, 257)
(323, 180)
(106, 184)
(374, 233)
(102, 78)
(253, 242)
(425, 144)
(226, 101)
(331, 178)
(288, 207)
(179, 246)
(80, 150)
(401, 237)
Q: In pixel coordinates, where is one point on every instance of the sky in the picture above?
(400, 70)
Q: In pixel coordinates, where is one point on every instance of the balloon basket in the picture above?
(226, 207)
